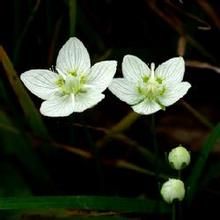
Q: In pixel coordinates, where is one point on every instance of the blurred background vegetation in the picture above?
(108, 150)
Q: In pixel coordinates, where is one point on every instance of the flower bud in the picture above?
(173, 189)
(179, 157)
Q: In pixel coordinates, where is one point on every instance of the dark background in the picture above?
(32, 33)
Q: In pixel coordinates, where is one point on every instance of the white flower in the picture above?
(76, 87)
(173, 189)
(148, 90)
(179, 157)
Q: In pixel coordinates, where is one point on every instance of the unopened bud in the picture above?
(173, 189)
(179, 157)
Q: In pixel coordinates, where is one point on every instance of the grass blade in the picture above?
(99, 203)
(27, 105)
(15, 143)
(201, 161)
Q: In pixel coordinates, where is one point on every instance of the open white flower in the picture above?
(76, 87)
(148, 90)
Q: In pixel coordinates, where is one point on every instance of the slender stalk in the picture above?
(97, 158)
(72, 16)
(25, 30)
(197, 114)
(179, 204)
(155, 146)
(174, 210)
(156, 156)
(179, 174)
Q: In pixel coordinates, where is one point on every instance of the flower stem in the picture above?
(97, 157)
(174, 210)
(155, 146)
(179, 174)
(197, 114)
(156, 156)
(179, 205)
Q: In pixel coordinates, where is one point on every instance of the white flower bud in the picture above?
(179, 157)
(173, 189)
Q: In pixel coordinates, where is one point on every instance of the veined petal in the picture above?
(134, 68)
(173, 93)
(101, 75)
(125, 91)
(41, 83)
(87, 100)
(146, 107)
(172, 70)
(73, 56)
(58, 106)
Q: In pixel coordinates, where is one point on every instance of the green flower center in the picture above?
(151, 87)
(73, 83)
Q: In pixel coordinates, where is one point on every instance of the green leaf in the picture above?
(96, 218)
(14, 142)
(197, 170)
(98, 203)
(32, 114)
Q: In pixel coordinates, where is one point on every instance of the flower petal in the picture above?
(58, 106)
(87, 100)
(134, 68)
(174, 93)
(73, 56)
(125, 91)
(172, 70)
(40, 82)
(101, 75)
(146, 107)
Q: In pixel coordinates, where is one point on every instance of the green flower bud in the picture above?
(179, 157)
(173, 189)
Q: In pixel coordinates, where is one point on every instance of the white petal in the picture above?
(73, 56)
(41, 83)
(125, 91)
(172, 70)
(87, 100)
(58, 106)
(174, 93)
(101, 75)
(134, 68)
(146, 107)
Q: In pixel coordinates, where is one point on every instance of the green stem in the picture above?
(25, 30)
(179, 174)
(97, 157)
(155, 146)
(174, 211)
(72, 16)
(179, 204)
(156, 155)
(197, 114)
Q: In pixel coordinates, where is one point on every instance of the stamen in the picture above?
(152, 67)
(61, 73)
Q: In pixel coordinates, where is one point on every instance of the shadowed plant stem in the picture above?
(72, 16)
(97, 158)
(156, 156)
(179, 174)
(22, 35)
(179, 204)
(174, 210)
(155, 146)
